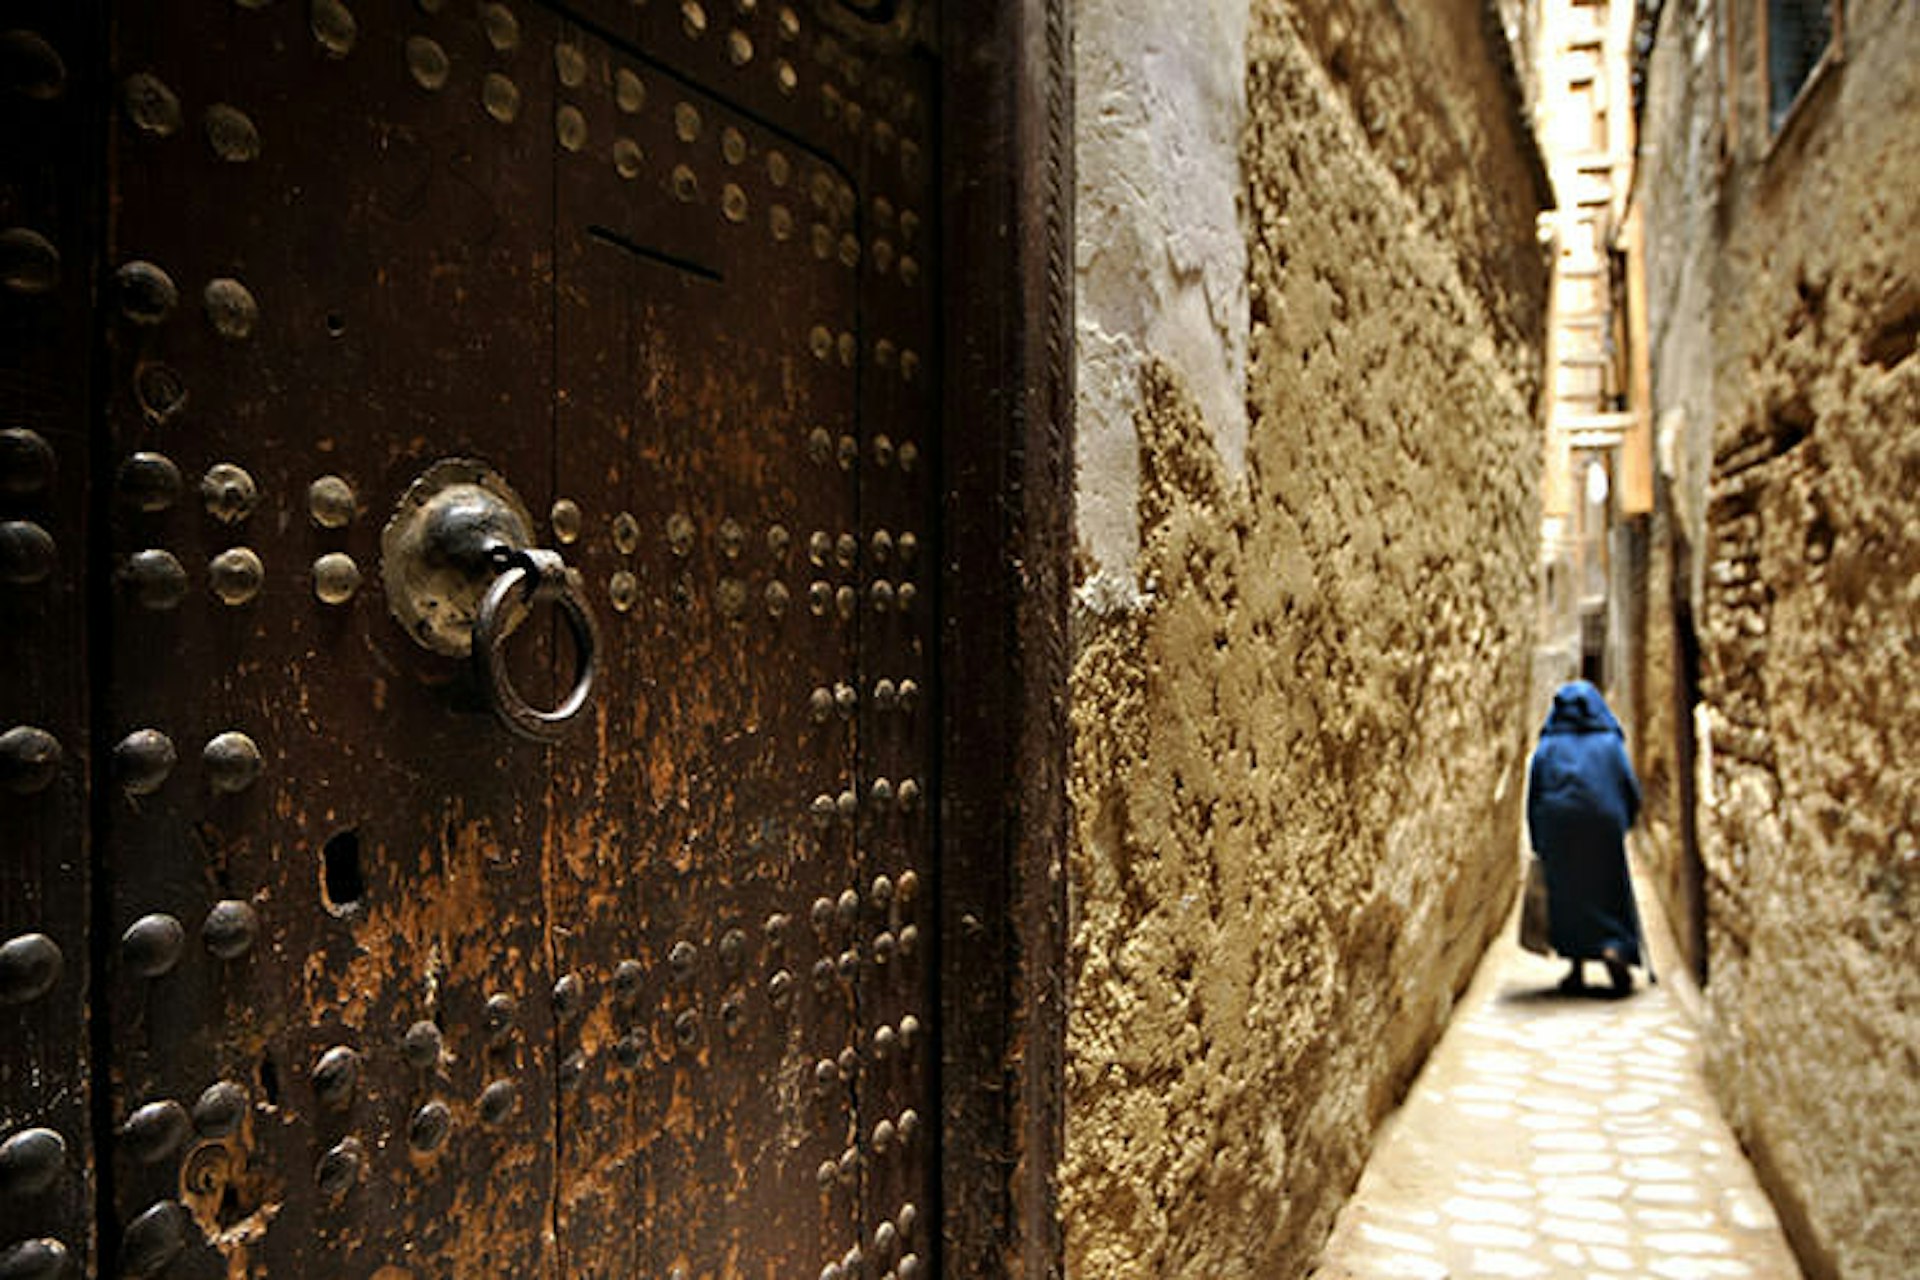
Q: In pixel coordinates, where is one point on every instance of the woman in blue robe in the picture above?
(1581, 798)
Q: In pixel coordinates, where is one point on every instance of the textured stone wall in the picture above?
(1796, 472)
(1299, 693)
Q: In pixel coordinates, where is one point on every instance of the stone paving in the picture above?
(1557, 1136)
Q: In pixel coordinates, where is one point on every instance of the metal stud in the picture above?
(909, 1124)
(908, 453)
(629, 1050)
(886, 1239)
(231, 133)
(29, 759)
(733, 949)
(884, 948)
(232, 762)
(498, 1101)
(421, 1045)
(571, 64)
(820, 705)
(26, 463)
(845, 601)
(906, 596)
(820, 446)
(566, 521)
(777, 599)
(880, 594)
(730, 597)
(909, 1032)
(152, 944)
(776, 928)
(911, 1268)
(149, 482)
(686, 1028)
(909, 694)
(501, 97)
(682, 958)
(693, 19)
(821, 810)
(154, 1239)
(686, 184)
(886, 695)
(151, 105)
(333, 27)
(339, 1169)
(569, 997)
(881, 793)
(627, 157)
(30, 965)
(336, 1075)
(231, 308)
(680, 534)
(909, 940)
(823, 972)
(502, 28)
(780, 987)
(502, 1011)
(847, 909)
(850, 1170)
(30, 1161)
(885, 1041)
(573, 1070)
(826, 1175)
(427, 62)
(909, 1218)
(846, 805)
(909, 793)
(846, 700)
(623, 591)
(626, 533)
(883, 1136)
(229, 493)
(335, 578)
(786, 77)
(155, 1131)
(849, 963)
(230, 929)
(427, 1131)
(220, 1109)
(629, 980)
(819, 597)
(823, 906)
(330, 502)
(29, 263)
(160, 390)
(629, 91)
(27, 553)
(570, 127)
(143, 760)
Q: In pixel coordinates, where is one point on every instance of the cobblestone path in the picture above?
(1559, 1136)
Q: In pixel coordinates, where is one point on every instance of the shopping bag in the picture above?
(1534, 932)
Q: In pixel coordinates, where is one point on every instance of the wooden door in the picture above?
(378, 987)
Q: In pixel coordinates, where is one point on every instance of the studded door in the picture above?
(378, 988)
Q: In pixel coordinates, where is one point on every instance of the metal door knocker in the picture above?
(462, 574)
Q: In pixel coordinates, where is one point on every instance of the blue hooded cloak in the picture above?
(1581, 798)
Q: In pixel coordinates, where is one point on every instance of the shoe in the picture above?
(1575, 983)
(1617, 971)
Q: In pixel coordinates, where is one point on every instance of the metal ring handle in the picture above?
(544, 576)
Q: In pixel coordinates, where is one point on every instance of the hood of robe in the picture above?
(1579, 708)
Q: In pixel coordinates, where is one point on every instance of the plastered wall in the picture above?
(1299, 697)
(1787, 380)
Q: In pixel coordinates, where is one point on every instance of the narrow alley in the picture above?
(1554, 1136)
(908, 639)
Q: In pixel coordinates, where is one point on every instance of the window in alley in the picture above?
(1798, 33)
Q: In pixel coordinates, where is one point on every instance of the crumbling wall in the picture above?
(1803, 503)
(1299, 698)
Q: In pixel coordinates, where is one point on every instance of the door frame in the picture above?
(1007, 176)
